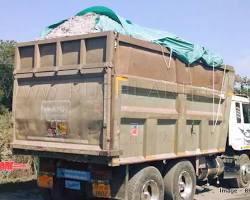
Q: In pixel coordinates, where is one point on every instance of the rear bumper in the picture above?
(81, 152)
(85, 179)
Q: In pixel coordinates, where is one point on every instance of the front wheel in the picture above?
(243, 179)
(146, 184)
(180, 182)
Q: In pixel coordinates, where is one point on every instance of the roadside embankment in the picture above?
(15, 175)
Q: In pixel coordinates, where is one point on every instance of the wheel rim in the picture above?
(185, 185)
(245, 173)
(150, 191)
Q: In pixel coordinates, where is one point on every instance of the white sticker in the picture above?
(57, 110)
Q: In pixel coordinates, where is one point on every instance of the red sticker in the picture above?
(134, 131)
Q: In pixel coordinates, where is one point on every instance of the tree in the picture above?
(242, 85)
(7, 53)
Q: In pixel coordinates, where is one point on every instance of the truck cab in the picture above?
(239, 123)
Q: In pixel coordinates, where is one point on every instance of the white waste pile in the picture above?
(76, 25)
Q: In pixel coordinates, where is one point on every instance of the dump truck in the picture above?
(111, 116)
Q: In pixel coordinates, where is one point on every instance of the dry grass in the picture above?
(6, 154)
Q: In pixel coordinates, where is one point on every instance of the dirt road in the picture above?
(20, 191)
(221, 193)
(29, 191)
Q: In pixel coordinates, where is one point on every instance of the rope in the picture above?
(168, 64)
(170, 58)
(192, 92)
(213, 96)
(222, 86)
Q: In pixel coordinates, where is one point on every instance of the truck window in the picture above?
(238, 113)
(246, 113)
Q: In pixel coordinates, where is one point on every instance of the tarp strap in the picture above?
(221, 90)
(168, 64)
(213, 96)
(170, 59)
(192, 94)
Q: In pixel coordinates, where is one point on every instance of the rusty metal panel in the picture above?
(65, 53)
(138, 58)
(27, 57)
(71, 52)
(214, 133)
(166, 134)
(198, 75)
(132, 136)
(47, 55)
(96, 50)
(142, 62)
(146, 105)
(192, 135)
(175, 124)
(194, 131)
(194, 109)
(63, 94)
(68, 109)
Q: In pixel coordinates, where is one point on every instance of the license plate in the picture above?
(101, 189)
(73, 185)
(73, 174)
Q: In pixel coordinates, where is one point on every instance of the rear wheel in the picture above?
(180, 181)
(146, 184)
(243, 179)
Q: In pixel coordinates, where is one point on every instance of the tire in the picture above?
(182, 172)
(146, 184)
(243, 179)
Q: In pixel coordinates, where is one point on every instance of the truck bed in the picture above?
(110, 95)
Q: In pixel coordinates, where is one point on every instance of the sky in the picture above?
(223, 26)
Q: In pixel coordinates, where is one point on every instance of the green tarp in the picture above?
(186, 51)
